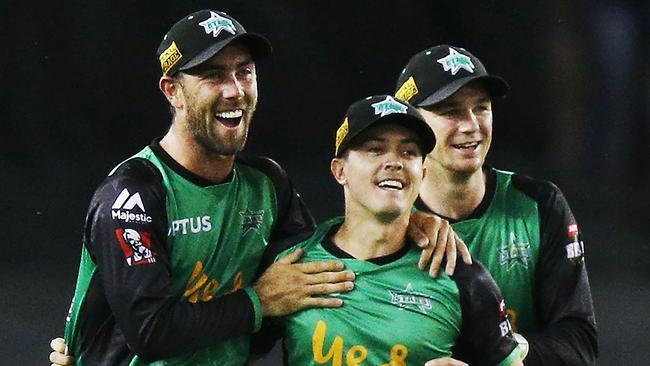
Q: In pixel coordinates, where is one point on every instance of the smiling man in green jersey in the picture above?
(174, 235)
(396, 314)
(520, 228)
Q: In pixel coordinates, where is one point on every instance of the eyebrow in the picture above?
(453, 103)
(219, 67)
(402, 141)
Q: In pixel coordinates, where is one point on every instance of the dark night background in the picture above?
(80, 94)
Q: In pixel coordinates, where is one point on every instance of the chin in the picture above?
(390, 214)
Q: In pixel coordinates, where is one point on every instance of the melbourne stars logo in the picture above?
(456, 61)
(513, 253)
(389, 106)
(409, 299)
(216, 23)
(251, 220)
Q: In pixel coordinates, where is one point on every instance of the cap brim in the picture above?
(495, 85)
(421, 129)
(258, 45)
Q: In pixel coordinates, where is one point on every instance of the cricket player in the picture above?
(396, 314)
(520, 228)
(175, 234)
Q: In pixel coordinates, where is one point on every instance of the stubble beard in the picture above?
(213, 138)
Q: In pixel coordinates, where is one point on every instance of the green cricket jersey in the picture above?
(398, 315)
(168, 260)
(525, 234)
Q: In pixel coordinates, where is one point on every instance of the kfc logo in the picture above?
(136, 246)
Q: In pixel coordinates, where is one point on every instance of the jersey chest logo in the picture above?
(251, 220)
(409, 299)
(514, 253)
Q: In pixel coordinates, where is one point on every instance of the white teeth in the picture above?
(392, 184)
(230, 114)
(466, 145)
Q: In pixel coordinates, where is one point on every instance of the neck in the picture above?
(193, 157)
(367, 238)
(453, 194)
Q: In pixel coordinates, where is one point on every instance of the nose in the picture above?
(393, 161)
(469, 123)
(233, 88)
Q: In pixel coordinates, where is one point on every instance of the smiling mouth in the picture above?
(391, 185)
(468, 146)
(230, 118)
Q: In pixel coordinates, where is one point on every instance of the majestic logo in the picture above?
(407, 90)
(251, 220)
(192, 225)
(170, 57)
(123, 206)
(409, 299)
(513, 253)
(389, 106)
(136, 246)
(456, 61)
(341, 133)
(216, 23)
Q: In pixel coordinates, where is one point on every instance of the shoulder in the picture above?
(136, 168)
(265, 165)
(133, 176)
(538, 189)
(314, 242)
(471, 272)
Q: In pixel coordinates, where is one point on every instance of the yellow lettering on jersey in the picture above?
(238, 281)
(398, 355)
(335, 352)
(356, 355)
(512, 315)
(200, 287)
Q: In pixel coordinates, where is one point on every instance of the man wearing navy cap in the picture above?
(520, 228)
(186, 218)
(396, 314)
(174, 235)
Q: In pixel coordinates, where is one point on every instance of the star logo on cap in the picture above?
(216, 23)
(388, 106)
(456, 61)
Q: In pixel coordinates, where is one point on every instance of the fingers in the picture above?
(330, 277)
(292, 257)
(415, 232)
(425, 257)
(58, 357)
(462, 248)
(330, 288)
(322, 302)
(58, 345)
(451, 254)
(318, 267)
(439, 252)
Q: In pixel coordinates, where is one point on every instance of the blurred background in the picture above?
(80, 94)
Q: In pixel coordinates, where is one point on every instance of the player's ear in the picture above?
(337, 166)
(171, 89)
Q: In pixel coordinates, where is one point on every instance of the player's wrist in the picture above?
(257, 307)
